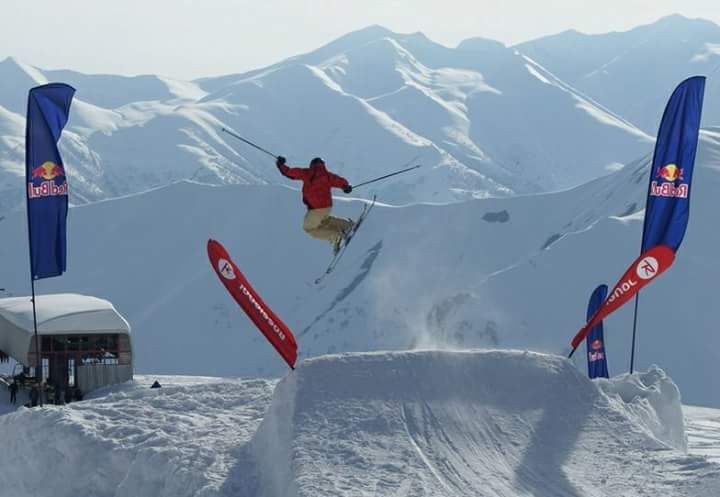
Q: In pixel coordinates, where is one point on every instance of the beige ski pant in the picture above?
(318, 223)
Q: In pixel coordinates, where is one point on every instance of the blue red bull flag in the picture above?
(596, 357)
(47, 187)
(668, 202)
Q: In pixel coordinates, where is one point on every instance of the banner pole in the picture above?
(38, 361)
(632, 350)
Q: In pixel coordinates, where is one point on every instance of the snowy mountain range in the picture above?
(633, 72)
(484, 119)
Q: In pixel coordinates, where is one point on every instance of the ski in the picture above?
(336, 258)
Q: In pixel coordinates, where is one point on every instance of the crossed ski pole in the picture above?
(364, 183)
(249, 143)
(384, 177)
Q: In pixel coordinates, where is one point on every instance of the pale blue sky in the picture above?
(193, 38)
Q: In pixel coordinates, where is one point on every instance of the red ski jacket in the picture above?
(317, 182)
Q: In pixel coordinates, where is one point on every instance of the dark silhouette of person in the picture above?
(34, 396)
(156, 385)
(57, 395)
(13, 392)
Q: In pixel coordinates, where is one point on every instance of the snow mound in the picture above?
(472, 423)
(427, 423)
(133, 441)
(654, 400)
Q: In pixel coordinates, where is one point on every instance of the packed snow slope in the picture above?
(633, 72)
(482, 119)
(703, 431)
(506, 273)
(428, 423)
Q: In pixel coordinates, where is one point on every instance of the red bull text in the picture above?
(667, 188)
(595, 356)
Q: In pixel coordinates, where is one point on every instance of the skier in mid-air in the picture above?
(317, 196)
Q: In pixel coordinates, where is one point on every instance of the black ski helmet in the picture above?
(317, 160)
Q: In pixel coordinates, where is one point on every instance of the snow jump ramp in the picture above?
(477, 423)
(398, 424)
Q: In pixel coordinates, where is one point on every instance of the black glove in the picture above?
(347, 189)
(280, 161)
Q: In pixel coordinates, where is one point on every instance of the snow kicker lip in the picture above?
(457, 423)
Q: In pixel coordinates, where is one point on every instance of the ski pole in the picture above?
(386, 176)
(249, 143)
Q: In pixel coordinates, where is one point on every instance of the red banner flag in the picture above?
(277, 332)
(651, 264)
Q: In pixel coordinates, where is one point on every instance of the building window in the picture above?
(71, 372)
(45, 368)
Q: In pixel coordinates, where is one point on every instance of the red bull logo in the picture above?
(52, 181)
(596, 344)
(670, 172)
(666, 184)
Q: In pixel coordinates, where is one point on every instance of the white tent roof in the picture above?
(65, 313)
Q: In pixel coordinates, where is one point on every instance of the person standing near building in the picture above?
(58, 395)
(34, 396)
(13, 392)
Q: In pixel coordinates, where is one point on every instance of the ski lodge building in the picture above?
(84, 341)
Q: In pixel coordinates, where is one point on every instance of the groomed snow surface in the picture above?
(425, 423)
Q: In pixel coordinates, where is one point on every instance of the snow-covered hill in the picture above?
(485, 119)
(482, 119)
(429, 423)
(634, 72)
(512, 272)
(481, 103)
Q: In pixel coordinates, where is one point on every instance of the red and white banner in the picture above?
(643, 271)
(277, 332)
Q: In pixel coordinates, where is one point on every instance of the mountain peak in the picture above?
(13, 66)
